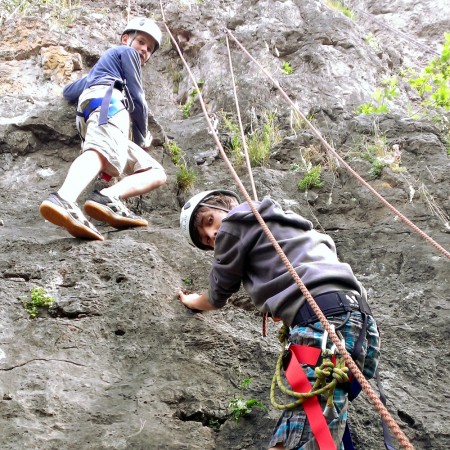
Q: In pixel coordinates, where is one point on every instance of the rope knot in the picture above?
(323, 371)
(341, 374)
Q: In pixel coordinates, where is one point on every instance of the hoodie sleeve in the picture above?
(72, 91)
(131, 65)
(227, 271)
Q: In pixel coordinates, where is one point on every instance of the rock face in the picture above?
(118, 362)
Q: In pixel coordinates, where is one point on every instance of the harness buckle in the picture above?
(333, 348)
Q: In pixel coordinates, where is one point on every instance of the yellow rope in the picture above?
(323, 372)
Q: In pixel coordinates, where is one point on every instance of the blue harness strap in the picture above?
(104, 108)
(115, 105)
(108, 106)
(347, 439)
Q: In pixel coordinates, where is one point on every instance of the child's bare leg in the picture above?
(106, 205)
(136, 184)
(61, 209)
(82, 171)
(277, 447)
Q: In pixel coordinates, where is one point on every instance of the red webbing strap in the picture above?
(299, 383)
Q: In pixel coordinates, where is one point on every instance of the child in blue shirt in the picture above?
(112, 119)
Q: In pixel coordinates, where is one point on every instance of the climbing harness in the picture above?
(331, 304)
(329, 369)
(114, 107)
(109, 106)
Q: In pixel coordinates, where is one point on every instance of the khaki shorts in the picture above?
(111, 141)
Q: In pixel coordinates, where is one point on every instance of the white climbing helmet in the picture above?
(188, 213)
(146, 26)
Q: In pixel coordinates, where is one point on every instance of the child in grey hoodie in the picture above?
(214, 220)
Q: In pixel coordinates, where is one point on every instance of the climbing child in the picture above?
(112, 119)
(214, 220)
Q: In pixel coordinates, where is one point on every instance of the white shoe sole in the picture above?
(104, 214)
(60, 217)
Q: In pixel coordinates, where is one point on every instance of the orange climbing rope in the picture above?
(388, 419)
(397, 213)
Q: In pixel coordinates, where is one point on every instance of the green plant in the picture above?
(338, 5)
(264, 135)
(190, 3)
(296, 122)
(176, 154)
(433, 83)
(377, 168)
(188, 281)
(240, 407)
(61, 11)
(381, 97)
(311, 179)
(176, 74)
(296, 167)
(379, 154)
(287, 68)
(373, 42)
(214, 424)
(39, 299)
(263, 138)
(186, 108)
(185, 176)
(233, 144)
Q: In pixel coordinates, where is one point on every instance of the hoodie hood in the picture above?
(270, 210)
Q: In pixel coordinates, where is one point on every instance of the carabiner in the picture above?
(333, 348)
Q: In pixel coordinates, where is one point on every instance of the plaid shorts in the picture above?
(293, 429)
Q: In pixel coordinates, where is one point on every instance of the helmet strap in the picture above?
(131, 38)
(214, 207)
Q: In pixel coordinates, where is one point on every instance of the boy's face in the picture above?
(142, 42)
(210, 221)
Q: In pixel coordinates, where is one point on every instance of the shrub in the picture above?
(186, 108)
(337, 5)
(311, 179)
(381, 97)
(240, 407)
(287, 68)
(433, 83)
(264, 135)
(61, 11)
(39, 299)
(377, 168)
(185, 176)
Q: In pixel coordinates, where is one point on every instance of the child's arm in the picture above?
(196, 301)
(73, 90)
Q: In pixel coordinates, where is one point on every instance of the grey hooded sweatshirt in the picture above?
(244, 254)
